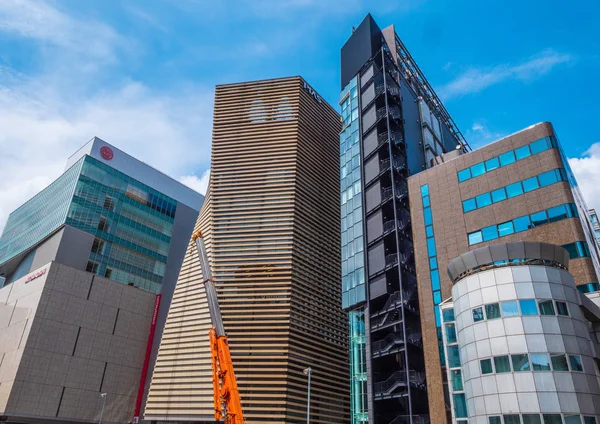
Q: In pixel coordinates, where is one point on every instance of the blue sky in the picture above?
(140, 74)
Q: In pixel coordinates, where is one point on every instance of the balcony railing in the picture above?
(398, 379)
(406, 419)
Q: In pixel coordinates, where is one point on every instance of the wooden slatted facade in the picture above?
(274, 217)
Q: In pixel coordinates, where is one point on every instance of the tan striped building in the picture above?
(272, 219)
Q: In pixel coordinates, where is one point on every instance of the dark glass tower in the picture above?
(394, 125)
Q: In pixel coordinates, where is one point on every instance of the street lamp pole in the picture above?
(103, 396)
(308, 372)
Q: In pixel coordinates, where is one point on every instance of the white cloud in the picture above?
(195, 183)
(587, 172)
(477, 79)
(47, 116)
(478, 127)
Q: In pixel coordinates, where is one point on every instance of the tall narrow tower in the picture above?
(274, 224)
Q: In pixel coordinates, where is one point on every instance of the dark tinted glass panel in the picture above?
(451, 334)
(453, 356)
(559, 362)
(547, 307)
(492, 311)
(589, 420)
(552, 419)
(477, 314)
(502, 364)
(486, 366)
(460, 405)
(572, 419)
(520, 362)
(512, 419)
(561, 309)
(448, 315)
(531, 419)
(575, 361)
(495, 420)
(457, 383)
(499, 195)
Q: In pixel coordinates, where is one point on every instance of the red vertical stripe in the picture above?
(140, 397)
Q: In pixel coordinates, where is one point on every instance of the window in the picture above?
(575, 361)
(507, 158)
(572, 419)
(426, 201)
(453, 356)
(552, 419)
(469, 205)
(577, 250)
(427, 216)
(506, 229)
(429, 231)
(528, 307)
(539, 218)
(510, 309)
(522, 152)
(539, 146)
(531, 184)
(512, 419)
(457, 383)
(484, 200)
(108, 273)
(491, 164)
(546, 307)
(502, 364)
(431, 246)
(433, 264)
(495, 420)
(102, 224)
(557, 213)
(98, 246)
(478, 169)
(531, 419)
(499, 195)
(460, 405)
(492, 311)
(475, 237)
(92, 267)
(520, 362)
(490, 233)
(589, 420)
(464, 175)
(425, 190)
(450, 333)
(522, 224)
(448, 315)
(559, 362)
(539, 362)
(486, 366)
(561, 309)
(548, 178)
(514, 190)
(435, 279)
(477, 314)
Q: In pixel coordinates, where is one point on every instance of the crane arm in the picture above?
(225, 389)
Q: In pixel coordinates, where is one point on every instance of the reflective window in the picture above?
(477, 314)
(510, 309)
(540, 145)
(502, 364)
(512, 419)
(548, 178)
(505, 229)
(427, 216)
(477, 169)
(522, 152)
(561, 309)
(589, 420)
(499, 195)
(425, 190)
(528, 307)
(491, 164)
(431, 246)
(552, 419)
(429, 231)
(453, 356)
(433, 264)
(448, 315)
(492, 311)
(539, 218)
(557, 213)
(575, 361)
(450, 333)
(531, 419)
(530, 184)
(514, 190)
(469, 205)
(546, 307)
(460, 405)
(464, 175)
(475, 237)
(520, 362)
(522, 224)
(540, 362)
(486, 366)
(426, 202)
(457, 383)
(559, 362)
(507, 158)
(483, 200)
(490, 233)
(495, 420)
(572, 419)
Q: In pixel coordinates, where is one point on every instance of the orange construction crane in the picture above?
(228, 406)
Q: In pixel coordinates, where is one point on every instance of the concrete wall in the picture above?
(87, 335)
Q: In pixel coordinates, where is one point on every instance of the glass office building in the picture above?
(118, 227)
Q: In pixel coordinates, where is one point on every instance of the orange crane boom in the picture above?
(228, 406)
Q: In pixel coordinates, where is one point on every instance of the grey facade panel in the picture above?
(373, 196)
(370, 143)
(376, 258)
(360, 47)
(74, 249)
(371, 168)
(378, 287)
(374, 226)
(369, 117)
(368, 94)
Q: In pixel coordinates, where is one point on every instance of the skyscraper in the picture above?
(595, 224)
(517, 189)
(272, 225)
(394, 125)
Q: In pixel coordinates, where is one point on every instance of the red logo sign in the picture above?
(107, 153)
(35, 275)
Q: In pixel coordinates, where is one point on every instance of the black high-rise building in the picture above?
(394, 125)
